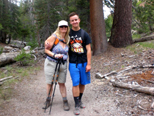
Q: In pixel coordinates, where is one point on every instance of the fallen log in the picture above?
(138, 88)
(144, 39)
(6, 58)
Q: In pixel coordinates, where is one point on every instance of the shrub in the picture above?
(1, 50)
(24, 58)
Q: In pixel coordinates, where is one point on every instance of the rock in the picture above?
(27, 48)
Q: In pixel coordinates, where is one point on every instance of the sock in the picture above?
(64, 98)
(76, 99)
(80, 96)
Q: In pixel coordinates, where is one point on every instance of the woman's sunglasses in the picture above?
(63, 26)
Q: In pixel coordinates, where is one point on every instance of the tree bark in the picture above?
(99, 39)
(121, 28)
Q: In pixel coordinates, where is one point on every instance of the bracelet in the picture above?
(54, 54)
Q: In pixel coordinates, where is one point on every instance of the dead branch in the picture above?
(144, 66)
(5, 78)
(100, 76)
(148, 81)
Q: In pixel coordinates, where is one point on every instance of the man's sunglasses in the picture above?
(63, 26)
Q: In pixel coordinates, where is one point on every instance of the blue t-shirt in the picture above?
(77, 46)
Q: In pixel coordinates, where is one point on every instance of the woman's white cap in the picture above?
(62, 23)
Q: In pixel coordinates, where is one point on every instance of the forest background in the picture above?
(33, 21)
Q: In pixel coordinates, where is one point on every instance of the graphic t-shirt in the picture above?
(77, 50)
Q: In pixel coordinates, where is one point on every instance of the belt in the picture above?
(52, 60)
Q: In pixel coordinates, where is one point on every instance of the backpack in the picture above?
(55, 43)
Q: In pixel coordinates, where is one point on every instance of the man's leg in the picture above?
(76, 92)
(82, 88)
(85, 79)
(75, 75)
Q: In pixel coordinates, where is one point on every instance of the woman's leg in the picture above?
(48, 89)
(62, 89)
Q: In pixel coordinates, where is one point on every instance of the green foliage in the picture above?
(48, 14)
(24, 58)
(15, 71)
(147, 44)
(33, 43)
(1, 27)
(136, 36)
(83, 9)
(1, 50)
(139, 47)
(108, 25)
(136, 48)
(26, 18)
(143, 16)
(9, 19)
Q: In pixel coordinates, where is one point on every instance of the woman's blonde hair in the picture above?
(67, 37)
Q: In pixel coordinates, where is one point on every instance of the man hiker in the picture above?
(79, 60)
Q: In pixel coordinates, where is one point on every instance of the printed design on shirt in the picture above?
(76, 44)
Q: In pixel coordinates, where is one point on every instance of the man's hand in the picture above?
(88, 67)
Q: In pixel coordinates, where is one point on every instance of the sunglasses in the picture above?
(63, 26)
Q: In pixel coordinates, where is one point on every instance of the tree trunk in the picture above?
(9, 39)
(98, 34)
(3, 37)
(121, 28)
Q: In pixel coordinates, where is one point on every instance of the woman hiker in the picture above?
(55, 52)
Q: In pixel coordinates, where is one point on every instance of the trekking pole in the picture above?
(59, 63)
(51, 86)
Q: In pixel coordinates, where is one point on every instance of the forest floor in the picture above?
(100, 97)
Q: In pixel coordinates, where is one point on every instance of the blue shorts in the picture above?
(79, 74)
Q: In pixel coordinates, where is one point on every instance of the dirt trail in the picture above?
(100, 97)
(30, 95)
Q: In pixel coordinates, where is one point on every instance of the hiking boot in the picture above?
(77, 111)
(47, 103)
(66, 105)
(81, 105)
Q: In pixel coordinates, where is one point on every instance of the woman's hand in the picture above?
(59, 56)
